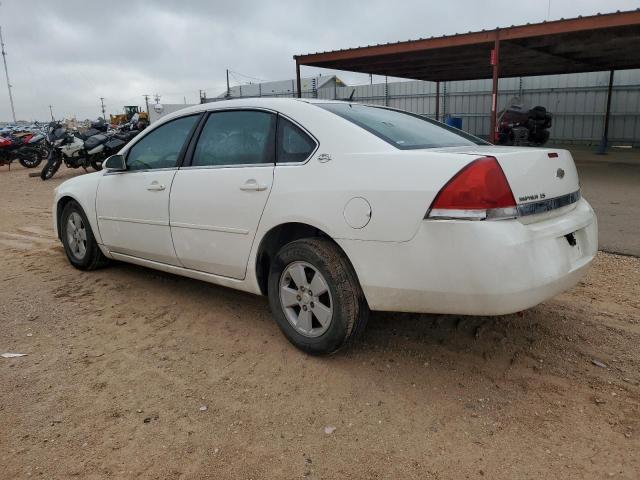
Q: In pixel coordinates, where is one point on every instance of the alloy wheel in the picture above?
(77, 236)
(306, 299)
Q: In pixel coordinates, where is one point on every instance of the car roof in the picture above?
(277, 104)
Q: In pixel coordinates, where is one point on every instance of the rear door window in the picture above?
(294, 144)
(236, 137)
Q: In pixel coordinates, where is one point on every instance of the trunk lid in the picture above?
(534, 174)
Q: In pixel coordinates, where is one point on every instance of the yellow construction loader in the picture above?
(129, 112)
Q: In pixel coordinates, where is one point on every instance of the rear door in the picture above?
(133, 206)
(218, 199)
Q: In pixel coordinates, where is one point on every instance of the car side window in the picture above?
(161, 147)
(294, 145)
(236, 137)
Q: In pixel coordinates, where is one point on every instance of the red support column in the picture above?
(495, 62)
(298, 83)
(438, 101)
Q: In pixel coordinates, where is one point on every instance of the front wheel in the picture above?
(96, 164)
(77, 238)
(315, 296)
(50, 168)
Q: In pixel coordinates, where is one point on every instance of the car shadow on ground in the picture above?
(503, 338)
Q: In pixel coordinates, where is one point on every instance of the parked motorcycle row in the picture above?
(27, 146)
(88, 149)
(59, 145)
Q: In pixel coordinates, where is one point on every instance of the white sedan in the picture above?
(332, 209)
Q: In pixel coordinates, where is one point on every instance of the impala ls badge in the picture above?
(324, 158)
(560, 173)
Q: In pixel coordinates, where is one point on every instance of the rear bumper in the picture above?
(476, 268)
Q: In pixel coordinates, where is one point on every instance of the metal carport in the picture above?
(603, 42)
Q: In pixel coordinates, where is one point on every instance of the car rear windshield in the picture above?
(401, 129)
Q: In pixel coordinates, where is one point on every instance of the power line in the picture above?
(249, 76)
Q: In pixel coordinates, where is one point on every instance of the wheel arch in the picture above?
(276, 238)
(60, 204)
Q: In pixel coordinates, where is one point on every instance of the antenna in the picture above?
(102, 103)
(6, 72)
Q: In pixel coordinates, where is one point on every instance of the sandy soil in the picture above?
(122, 361)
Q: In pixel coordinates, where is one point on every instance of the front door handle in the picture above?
(156, 187)
(252, 185)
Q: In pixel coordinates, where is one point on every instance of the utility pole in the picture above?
(102, 104)
(146, 101)
(6, 72)
(51, 111)
(228, 89)
(156, 97)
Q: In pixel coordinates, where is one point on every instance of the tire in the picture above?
(92, 257)
(96, 164)
(50, 169)
(30, 158)
(344, 297)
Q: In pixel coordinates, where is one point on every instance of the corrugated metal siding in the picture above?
(577, 101)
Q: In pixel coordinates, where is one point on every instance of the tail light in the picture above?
(479, 191)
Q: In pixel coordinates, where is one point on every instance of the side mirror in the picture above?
(115, 163)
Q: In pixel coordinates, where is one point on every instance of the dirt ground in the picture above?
(123, 361)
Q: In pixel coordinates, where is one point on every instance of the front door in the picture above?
(133, 206)
(217, 201)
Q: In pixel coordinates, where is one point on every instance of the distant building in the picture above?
(158, 110)
(283, 88)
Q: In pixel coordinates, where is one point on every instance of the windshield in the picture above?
(403, 130)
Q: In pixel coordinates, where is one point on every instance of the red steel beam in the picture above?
(596, 22)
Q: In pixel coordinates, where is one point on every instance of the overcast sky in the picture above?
(69, 53)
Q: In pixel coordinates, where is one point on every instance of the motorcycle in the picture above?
(25, 146)
(520, 125)
(83, 150)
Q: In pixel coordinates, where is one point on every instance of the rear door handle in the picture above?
(156, 187)
(252, 185)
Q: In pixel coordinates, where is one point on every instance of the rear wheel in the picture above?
(30, 157)
(77, 238)
(315, 296)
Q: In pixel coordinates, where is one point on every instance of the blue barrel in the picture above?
(455, 122)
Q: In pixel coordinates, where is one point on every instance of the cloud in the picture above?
(70, 53)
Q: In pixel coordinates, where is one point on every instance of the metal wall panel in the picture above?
(577, 101)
